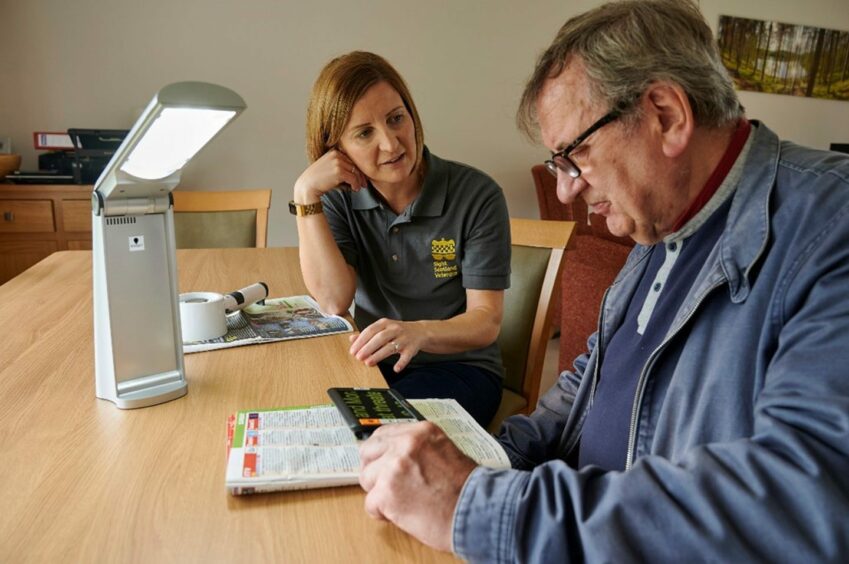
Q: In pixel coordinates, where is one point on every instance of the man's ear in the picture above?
(668, 104)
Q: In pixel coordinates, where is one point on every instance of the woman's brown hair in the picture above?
(341, 83)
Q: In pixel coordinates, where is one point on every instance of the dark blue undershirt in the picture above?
(604, 439)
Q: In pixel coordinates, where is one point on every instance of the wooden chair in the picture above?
(536, 264)
(206, 220)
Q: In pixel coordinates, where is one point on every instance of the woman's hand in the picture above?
(386, 337)
(476, 327)
(325, 174)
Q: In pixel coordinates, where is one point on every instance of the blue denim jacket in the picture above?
(739, 444)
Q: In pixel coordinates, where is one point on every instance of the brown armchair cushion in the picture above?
(592, 264)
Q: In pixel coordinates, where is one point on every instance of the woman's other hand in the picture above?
(386, 337)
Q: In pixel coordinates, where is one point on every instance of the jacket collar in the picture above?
(746, 233)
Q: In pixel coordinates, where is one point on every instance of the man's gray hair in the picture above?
(627, 45)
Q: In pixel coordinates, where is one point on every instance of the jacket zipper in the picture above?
(641, 383)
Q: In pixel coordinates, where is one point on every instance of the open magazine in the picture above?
(313, 447)
(279, 319)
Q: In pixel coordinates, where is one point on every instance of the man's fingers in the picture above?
(411, 480)
(374, 447)
(372, 506)
(386, 438)
(368, 475)
(373, 458)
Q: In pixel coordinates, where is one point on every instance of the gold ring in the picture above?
(397, 348)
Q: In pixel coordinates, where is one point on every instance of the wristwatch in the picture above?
(304, 209)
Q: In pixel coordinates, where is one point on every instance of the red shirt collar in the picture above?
(738, 140)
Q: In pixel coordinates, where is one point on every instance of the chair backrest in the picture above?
(236, 218)
(536, 264)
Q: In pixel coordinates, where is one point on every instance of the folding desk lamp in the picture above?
(138, 347)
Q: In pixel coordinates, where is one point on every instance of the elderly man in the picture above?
(709, 419)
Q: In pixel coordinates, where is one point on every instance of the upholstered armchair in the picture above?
(593, 260)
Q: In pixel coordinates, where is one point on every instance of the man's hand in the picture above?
(413, 475)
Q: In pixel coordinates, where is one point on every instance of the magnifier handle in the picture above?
(246, 296)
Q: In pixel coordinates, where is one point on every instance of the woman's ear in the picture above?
(669, 105)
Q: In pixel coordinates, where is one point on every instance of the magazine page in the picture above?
(313, 447)
(278, 319)
(464, 431)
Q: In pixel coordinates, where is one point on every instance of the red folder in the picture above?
(52, 141)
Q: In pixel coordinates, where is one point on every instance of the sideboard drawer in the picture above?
(76, 215)
(26, 216)
(36, 220)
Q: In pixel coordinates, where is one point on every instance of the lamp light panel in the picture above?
(174, 137)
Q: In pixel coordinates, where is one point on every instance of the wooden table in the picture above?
(83, 481)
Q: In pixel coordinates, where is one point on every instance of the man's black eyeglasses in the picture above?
(561, 161)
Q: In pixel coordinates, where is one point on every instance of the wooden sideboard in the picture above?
(37, 220)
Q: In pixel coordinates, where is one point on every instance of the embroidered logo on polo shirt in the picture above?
(444, 253)
(442, 249)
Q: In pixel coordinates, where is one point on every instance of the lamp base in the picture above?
(146, 400)
(149, 390)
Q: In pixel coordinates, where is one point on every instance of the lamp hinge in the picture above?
(137, 206)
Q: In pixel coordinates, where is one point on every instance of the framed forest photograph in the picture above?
(780, 58)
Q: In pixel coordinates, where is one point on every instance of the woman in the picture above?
(420, 244)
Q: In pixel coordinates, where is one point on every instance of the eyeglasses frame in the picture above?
(552, 165)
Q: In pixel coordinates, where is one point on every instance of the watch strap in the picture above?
(305, 209)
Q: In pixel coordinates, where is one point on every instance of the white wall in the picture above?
(95, 64)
